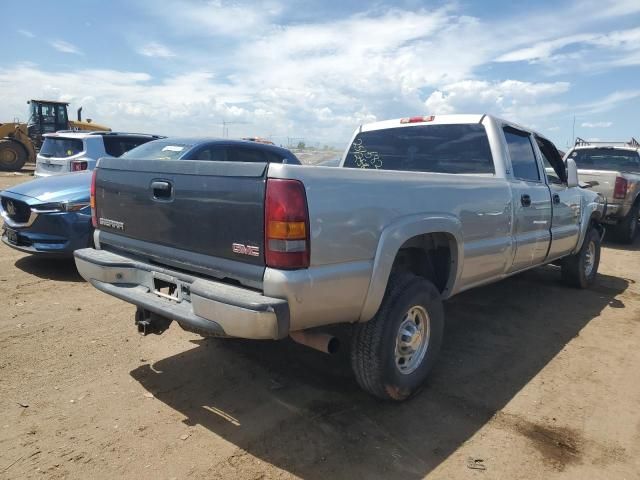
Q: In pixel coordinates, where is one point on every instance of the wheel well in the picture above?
(431, 256)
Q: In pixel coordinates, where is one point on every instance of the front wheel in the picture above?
(580, 269)
(392, 354)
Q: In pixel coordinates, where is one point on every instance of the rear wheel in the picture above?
(580, 269)
(392, 354)
(627, 229)
(12, 156)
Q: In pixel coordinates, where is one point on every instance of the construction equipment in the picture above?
(19, 142)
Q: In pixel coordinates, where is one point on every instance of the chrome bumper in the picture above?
(199, 304)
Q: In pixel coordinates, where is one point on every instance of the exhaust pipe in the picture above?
(322, 342)
(80, 114)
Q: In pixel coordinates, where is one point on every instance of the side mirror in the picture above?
(572, 173)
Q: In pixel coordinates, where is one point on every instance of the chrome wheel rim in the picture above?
(412, 340)
(590, 258)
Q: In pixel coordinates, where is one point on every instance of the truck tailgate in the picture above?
(199, 207)
(606, 181)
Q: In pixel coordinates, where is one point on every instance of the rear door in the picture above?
(532, 201)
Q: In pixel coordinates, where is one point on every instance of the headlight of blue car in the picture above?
(60, 207)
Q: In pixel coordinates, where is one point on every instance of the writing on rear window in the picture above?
(457, 148)
(364, 158)
(172, 148)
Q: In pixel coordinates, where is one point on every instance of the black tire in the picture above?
(373, 348)
(574, 268)
(627, 229)
(13, 156)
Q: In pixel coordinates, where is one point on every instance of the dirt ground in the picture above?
(535, 381)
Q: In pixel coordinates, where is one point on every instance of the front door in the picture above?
(565, 224)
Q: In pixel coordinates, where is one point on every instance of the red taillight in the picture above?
(92, 199)
(78, 165)
(286, 225)
(620, 190)
(429, 118)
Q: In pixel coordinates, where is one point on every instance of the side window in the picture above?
(523, 160)
(116, 146)
(240, 154)
(553, 164)
(213, 153)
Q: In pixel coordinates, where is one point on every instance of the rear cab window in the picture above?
(450, 148)
(606, 158)
(61, 147)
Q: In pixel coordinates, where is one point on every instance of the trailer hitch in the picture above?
(149, 322)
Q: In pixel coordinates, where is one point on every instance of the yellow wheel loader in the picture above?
(19, 142)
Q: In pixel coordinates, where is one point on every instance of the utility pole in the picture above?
(225, 129)
(290, 140)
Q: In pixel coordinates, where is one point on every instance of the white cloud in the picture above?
(596, 124)
(320, 78)
(26, 33)
(608, 102)
(65, 47)
(217, 18)
(155, 49)
(588, 51)
(516, 100)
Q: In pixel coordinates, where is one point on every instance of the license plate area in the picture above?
(168, 287)
(12, 236)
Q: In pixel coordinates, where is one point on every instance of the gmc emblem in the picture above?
(245, 249)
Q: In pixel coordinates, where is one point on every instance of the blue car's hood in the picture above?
(70, 187)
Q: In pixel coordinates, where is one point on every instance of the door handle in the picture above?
(161, 189)
(525, 200)
(556, 198)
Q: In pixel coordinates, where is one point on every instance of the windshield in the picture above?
(460, 148)
(158, 150)
(61, 147)
(606, 159)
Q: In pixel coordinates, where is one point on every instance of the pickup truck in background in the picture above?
(613, 169)
(418, 210)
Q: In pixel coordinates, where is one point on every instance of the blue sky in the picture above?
(318, 69)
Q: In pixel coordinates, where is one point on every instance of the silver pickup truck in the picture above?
(419, 209)
(613, 170)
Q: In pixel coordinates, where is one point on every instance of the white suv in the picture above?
(71, 151)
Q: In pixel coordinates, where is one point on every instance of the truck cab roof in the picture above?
(450, 119)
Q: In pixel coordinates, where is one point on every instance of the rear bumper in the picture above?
(201, 305)
(616, 212)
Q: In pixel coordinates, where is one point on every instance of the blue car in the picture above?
(51, 216)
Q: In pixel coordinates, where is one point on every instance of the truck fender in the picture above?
(393, 237)
(591, 211)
